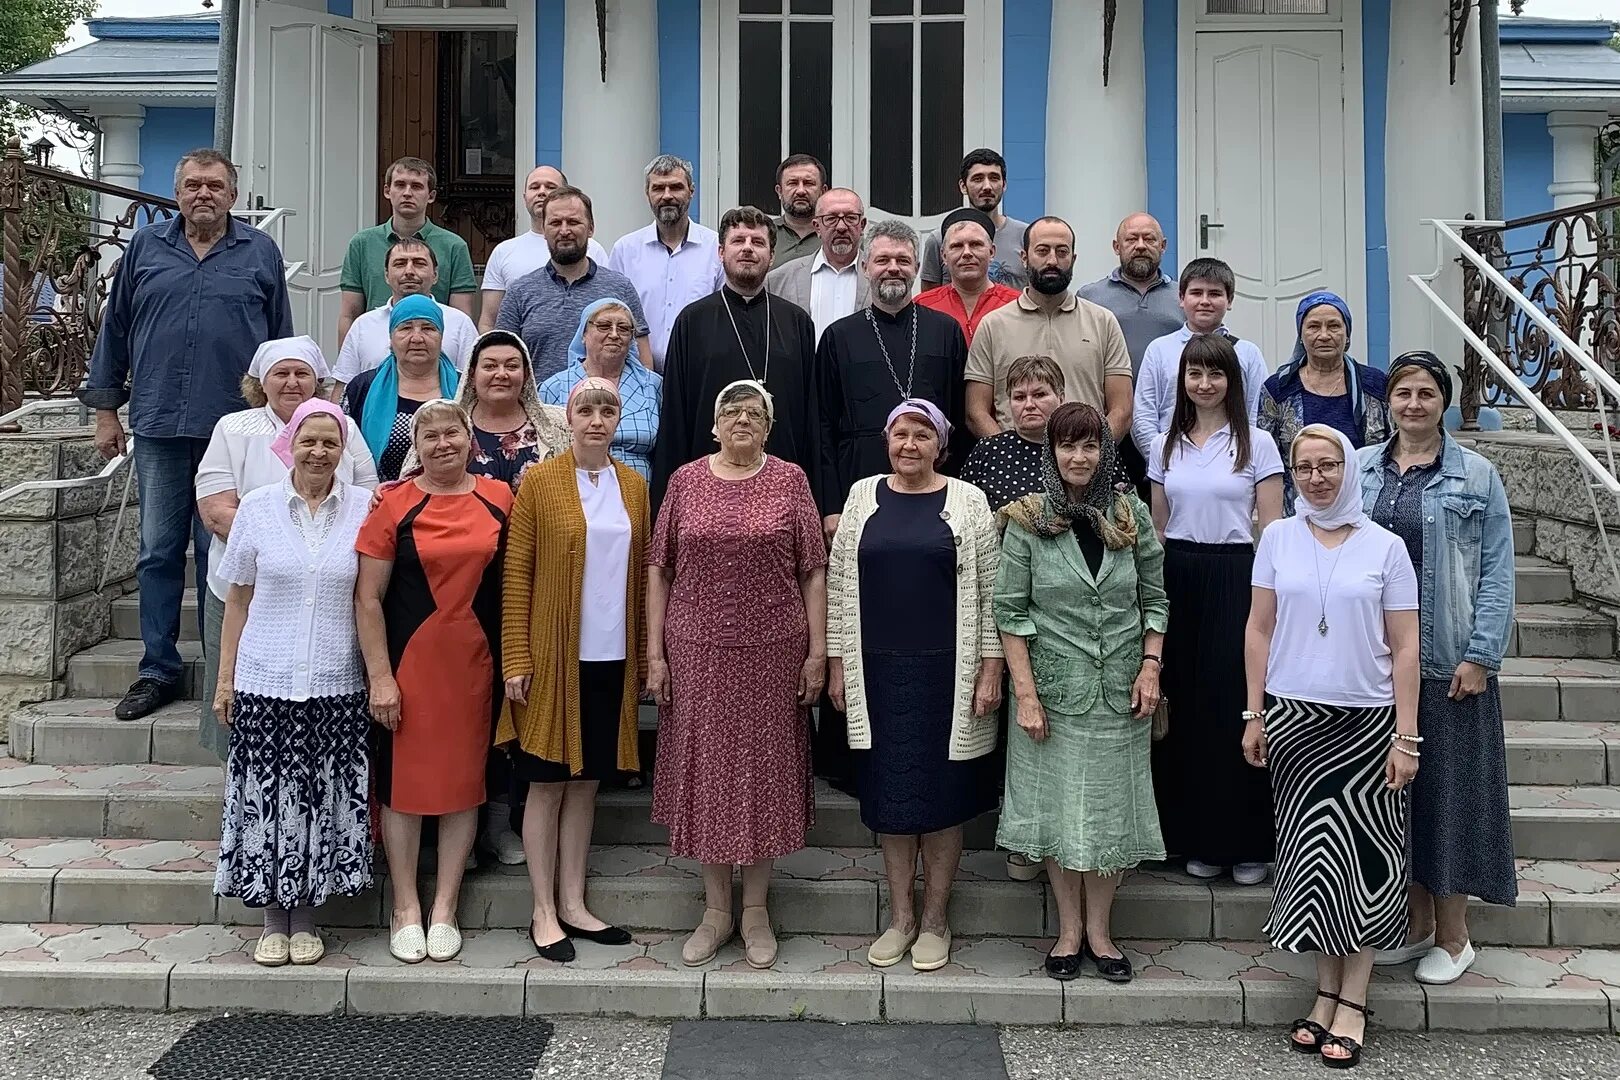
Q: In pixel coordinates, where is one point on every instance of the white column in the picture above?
(1096, 135)
(1574, 138)
(1434, 167)
(610, 129)
(120, 154)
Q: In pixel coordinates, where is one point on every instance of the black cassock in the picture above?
(858, 390)
(704, 356)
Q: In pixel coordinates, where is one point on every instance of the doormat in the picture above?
(356, 1048)
(789, 1050)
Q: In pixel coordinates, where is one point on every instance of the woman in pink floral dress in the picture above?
(736, 652)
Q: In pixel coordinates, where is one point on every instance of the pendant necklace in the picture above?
(1323, 586)
(911, 367)
(761, 376)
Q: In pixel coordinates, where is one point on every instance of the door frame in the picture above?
(1347, 20)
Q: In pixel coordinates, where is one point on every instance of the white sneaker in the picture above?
(1405, 954)
(500, 841)
(1438, 967)
(1204, 870)
(1250, 873)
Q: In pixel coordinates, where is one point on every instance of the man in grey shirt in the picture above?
(983, 183)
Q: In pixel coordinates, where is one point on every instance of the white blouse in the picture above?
(607, 566)
(1349, 588)
(1209, 502)
(238, 459)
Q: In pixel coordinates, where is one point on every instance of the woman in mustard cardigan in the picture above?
(572, 635)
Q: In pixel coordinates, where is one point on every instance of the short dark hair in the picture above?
(1214, 271)
(204, 155)
(746, 217)
(1036, 369)
(801, 159)
(1074, 422)
(568, 191)
(412, 164)
(983, 156)
(1042, 221)
(410, 243)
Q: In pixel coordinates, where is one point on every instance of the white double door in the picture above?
(1270, 194)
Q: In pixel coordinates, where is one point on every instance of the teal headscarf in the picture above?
(377, 415)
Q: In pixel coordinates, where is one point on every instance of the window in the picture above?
(784, 80)
(440, 5)
(1266, 7)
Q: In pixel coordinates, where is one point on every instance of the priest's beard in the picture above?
(893, 290)
(1052, 280)
(746, 279)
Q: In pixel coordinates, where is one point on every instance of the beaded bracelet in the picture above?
(1408, 753)
(1407, 738)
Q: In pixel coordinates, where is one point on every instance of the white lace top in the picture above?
(299, 641)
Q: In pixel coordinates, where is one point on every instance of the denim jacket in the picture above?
(1465, 607)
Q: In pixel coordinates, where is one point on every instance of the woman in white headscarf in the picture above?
(1332, 658)
(285, 373)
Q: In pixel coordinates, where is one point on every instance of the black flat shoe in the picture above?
(560, 952)
(144, 697)
(608, 935)
(1317, 1032)
(1351, 1047)
(1063, 968)
(1116, 969)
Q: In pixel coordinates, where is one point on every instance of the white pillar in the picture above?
(1434, 167)
(610, 129)
(1096, 135)
(120, 154)
(1574, 138)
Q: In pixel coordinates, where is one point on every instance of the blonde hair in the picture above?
(594, 395)
(1321, 432)
(253, 392)
(440, 409)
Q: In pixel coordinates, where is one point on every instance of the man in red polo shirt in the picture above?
(967, 246)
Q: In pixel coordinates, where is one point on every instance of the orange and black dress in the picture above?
(442, 609)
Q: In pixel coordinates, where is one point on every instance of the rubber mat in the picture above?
(787, 1050)
(356, 1048)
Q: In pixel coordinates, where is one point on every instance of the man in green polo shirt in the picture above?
(409, 186)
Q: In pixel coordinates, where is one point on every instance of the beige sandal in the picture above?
(714, 931)
(759, 943)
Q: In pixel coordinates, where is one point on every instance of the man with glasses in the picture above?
(829, 285)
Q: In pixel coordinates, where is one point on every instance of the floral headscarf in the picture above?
(1101, 506)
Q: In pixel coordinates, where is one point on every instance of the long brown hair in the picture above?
(1215, 352)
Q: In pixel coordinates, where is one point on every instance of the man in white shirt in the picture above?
(411, 268)
(1207, 287)
(526, 252)
(829, 284)
(672, 261)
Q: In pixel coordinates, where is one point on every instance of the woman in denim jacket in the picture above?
(1448, 504)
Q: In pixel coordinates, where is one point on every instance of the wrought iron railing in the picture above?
(1565, 263)
(61, 236)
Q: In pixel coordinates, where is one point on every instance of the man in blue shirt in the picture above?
(190, 302)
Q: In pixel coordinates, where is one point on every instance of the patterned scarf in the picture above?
(1102, 506)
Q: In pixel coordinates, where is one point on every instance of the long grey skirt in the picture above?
(210, 732)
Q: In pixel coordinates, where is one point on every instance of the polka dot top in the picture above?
(1005, 467)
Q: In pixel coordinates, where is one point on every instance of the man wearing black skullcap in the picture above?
(969, 295)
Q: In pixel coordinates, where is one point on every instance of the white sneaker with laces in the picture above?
(1204, 870)
(1438, 967)
(1405, 954)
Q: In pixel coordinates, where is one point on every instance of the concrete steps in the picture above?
(126, 617)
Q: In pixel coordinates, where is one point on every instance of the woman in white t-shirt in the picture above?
(1212, 472)
(1332, 660)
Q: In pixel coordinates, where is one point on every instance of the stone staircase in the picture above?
(109, 836)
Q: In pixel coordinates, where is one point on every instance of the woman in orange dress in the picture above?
(428, 609)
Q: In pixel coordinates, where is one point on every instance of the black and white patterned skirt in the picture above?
(1341, 833)
(297, 826)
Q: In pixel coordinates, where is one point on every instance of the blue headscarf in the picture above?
(1289, 372)
(382, 400)
(576, 348)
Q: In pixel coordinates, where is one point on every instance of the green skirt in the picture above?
(1084, 796)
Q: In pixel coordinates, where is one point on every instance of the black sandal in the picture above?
(1318, 1033)
(1116, 969)
(1345, 1042)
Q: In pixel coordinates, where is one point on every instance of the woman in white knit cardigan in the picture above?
(915, 661)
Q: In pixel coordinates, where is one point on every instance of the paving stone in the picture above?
(973, 999)
(306, 991)
(444, 989)
(1007, 908)
(998, 957)
(1490, 1008)
(1401, 1006)
(1587, 921)
(777, 995)
(661, 995)
(27, 985)
(25, 894)
(1153, 1001)
(133, 896)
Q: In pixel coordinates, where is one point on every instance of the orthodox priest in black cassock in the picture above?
(724, 337)
(866, 364)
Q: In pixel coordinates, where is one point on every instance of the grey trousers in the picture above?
(210, 732)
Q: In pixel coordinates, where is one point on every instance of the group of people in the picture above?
(1002, 532)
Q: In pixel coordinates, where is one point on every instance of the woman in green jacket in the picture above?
(1081, 607)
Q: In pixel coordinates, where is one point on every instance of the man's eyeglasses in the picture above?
(1328, 469)
(840, 219)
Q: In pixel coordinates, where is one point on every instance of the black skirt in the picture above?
(601, 697)
(1213, 806)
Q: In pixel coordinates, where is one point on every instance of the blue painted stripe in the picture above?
(1375, 346)
(158, 29)
(1595, 32)
(1026, 47)
(549, 23)
(680, 83)
(1160, 62)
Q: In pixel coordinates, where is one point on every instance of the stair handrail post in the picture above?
(13, 326)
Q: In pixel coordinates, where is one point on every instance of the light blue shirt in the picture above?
(641, 396)
(665, 280)
(1156, 384)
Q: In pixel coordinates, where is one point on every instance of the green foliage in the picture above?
(31, 31)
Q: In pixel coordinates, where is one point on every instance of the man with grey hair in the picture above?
(828, 284)
(672, 261)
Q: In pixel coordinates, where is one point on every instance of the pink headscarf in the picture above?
(282, 446)
(590, 382)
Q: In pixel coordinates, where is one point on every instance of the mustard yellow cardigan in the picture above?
(540, 612)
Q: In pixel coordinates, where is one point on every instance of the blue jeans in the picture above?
(165, 475)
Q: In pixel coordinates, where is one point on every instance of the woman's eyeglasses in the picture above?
(1328, 469)
(752, 412)
(614, 329)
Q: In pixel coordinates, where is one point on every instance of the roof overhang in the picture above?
(83, 96)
